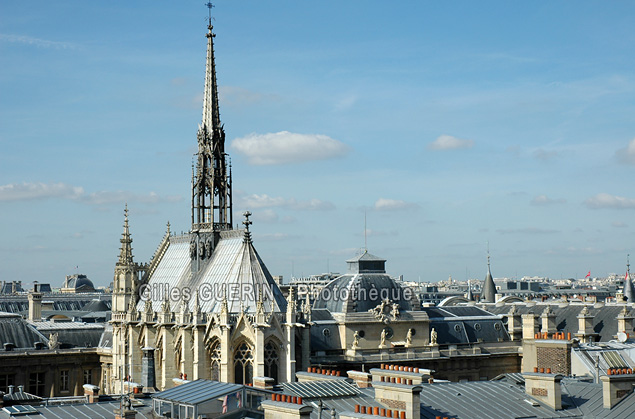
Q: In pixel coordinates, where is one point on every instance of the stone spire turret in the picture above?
(125, 280)
(125, 254)
(211, 185)
(489, 288)
(629, 292)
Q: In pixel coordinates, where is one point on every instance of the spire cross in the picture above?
(125, 212)
(628, 263)
(209, 6)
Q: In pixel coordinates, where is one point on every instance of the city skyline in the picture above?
(440, 127)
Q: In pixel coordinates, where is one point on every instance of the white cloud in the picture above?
(39, 190)
(626, 155)
(448, 142)
(619, 224)
(545, 155)
(604, 200)
(239, 96)
(527, 230)
(27, 191)
(383, 204)
(116, 197)
(545, 200)
(40, 43)
(287, 147)
(266, 201)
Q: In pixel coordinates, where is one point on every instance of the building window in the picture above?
(64, 380)
(88, 376)
(271, 361)
(243, 364)
(214, 354)
(36, 383)
(6, 380)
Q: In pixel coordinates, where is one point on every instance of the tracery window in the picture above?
(272, 361)
(214, 354)
(243, 364)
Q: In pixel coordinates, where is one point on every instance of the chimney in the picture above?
(548, 318)
(286, 407)
(529, 326)
(265, 383)
(92, 392)
(616, 387)
(35, 304)
(400, 397)
(545, 388)
(362, 379)
(125, 413)
(148, 377)
(514, 324)
(585, 326)
(11, 389)
(625, 322)
(389, 373)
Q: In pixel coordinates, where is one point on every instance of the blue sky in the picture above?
(449, 124)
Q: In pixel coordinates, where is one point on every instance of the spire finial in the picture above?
(488, 254)
(628, 263)
(210, 6)
(247, 222)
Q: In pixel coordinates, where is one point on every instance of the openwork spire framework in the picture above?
(211, 182)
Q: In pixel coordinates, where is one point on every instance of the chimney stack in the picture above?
(529, 326)
(286, 407)
(616, 387)
(544, 387)
(35, 304)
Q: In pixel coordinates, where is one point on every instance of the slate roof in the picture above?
(234, 263)
(72, 334)
(604, 316)
(14, 329)
(460, 324)
(352, 293)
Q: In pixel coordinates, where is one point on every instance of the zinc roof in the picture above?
(196, 392)
(321, 389)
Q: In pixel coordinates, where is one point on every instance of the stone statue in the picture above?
(409, 338)
(53, 341)
(355, 340)
(193, 249)
(382, 342)
(395, 311)
(433, 337)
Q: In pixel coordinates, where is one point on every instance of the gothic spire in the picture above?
(125, 255)
(629, 292)
(489, 288)
(211, 184)
(211, 113)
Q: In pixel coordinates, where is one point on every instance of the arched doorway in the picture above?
(243, 364)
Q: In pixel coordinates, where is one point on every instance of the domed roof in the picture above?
(79, 282)
(363, 288)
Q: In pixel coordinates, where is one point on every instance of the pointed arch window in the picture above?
(272, 361)
(243, 364)
(215, 358)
